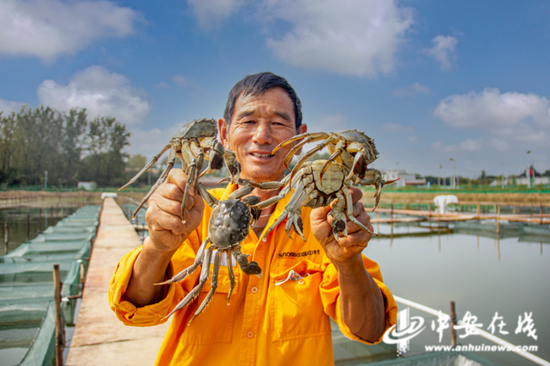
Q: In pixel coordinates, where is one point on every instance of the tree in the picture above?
(136, 162)
(72, 144)
(104, 163)
(37, 134)
(65, 144)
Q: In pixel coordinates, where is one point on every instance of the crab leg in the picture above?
(376, 181)
(206, 196)
(215, 159)
(153, 160)
(186, 272)
(355, 162)
(230, 274)
(306, 156)
(349, 212)
(200, 162)
(294, 219)
(296, 199)
(339, 224)
(161, 180)
(191, 169)
(251, 268)
(197, 289)
(213, 285)
(232, 165)
(290, 155)
(310, 137)
(241, 192)
(270, 201)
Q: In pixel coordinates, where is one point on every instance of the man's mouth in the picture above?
(265, 155)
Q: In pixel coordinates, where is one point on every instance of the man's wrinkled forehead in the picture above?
(248, 110)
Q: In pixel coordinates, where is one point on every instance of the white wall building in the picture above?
(521, 181)
(407, 179)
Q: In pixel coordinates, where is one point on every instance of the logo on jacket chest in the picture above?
(305, 253)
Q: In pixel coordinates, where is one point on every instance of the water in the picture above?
(483, 275)
(14, 342)
(39, 220)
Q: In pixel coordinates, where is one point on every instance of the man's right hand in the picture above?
(166, 233)
(166, 230)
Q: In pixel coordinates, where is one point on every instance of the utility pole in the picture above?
(454, 173)
(439, 178)
(528, 173)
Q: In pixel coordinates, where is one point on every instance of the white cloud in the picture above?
(211, 13)
(150, 142)
(412, 139)
(7, 107)
(48, 28)
(411, 90)
(494, 110)
(162, 85)
(180, 80)
(396, 127)
(346, 36)
(101, 92)
(499, 145)
(443, 50)
(467, 145)
(328, 123)
(510, 119)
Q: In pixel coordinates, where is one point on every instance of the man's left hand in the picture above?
(349, 247)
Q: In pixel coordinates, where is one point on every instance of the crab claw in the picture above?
(379, 184)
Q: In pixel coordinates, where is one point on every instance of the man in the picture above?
(279, 318)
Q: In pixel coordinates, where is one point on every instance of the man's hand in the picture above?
(357, 240)
(361, 300)
(166, 233)
(163, 216)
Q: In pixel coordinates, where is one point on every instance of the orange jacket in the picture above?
(265, 324)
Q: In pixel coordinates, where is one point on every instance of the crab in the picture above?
(191, 143)
(351, 148)
(227, 228)
(308, 191)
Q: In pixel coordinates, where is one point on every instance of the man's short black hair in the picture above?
(257, 84)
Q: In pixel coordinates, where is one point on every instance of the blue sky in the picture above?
(428, 80)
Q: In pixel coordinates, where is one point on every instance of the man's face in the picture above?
(257, 126)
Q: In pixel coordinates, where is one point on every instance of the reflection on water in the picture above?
(26, 223)
(483, 274)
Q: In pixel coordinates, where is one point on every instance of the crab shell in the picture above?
(355, 142)
(204, 131)
(229, 223)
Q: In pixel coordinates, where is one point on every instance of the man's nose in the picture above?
(263, 134)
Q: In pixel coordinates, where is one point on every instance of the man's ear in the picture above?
(302, 129)
(223, 129)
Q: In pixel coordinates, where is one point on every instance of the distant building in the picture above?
(407, 179)
(521, 181)
(88, 186)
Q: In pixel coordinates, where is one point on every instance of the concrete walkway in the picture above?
(99, 337)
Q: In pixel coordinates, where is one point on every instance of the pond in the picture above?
(483, 275)
(39, 219)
